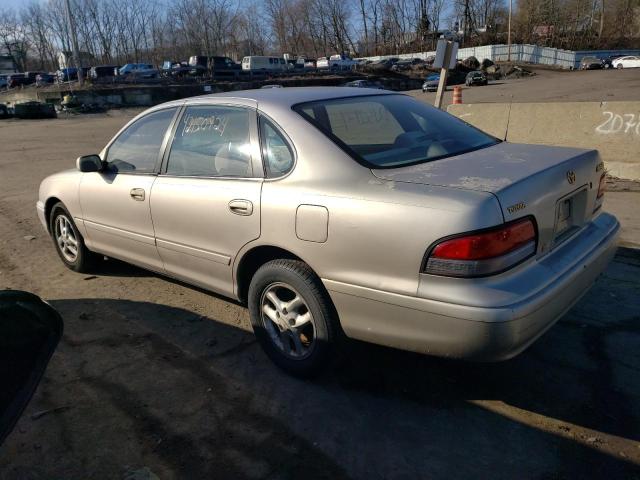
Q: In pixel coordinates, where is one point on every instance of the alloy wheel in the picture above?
(288, 321)
(66, 238)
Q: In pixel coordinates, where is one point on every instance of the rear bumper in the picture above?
(485, 333)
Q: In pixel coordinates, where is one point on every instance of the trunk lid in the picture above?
(556, 185)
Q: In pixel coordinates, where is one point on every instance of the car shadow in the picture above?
(191, 396)
(186, 393)
(115, 268)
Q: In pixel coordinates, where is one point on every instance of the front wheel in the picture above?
(293, 317)
(68, 242)
(620, 66)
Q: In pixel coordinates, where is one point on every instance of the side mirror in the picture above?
(30, 330)
(89, 163)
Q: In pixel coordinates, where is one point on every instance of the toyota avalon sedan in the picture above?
(334, 212)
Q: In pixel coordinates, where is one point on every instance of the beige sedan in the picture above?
(337, 212)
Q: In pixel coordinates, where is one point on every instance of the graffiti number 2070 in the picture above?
(620, 123)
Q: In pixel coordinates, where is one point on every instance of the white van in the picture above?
(266, 64)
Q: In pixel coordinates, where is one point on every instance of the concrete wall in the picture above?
(613, 128)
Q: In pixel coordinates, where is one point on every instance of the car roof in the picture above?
(292, 95)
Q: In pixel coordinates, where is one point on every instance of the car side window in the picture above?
(212, 141)
(136, 149)
(278, 155)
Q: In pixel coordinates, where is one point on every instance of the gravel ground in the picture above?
(158, 375)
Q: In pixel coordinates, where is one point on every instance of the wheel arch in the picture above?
(253, 259)
(48, 207)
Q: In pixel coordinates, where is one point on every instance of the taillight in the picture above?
(602, 186)
(485, 252)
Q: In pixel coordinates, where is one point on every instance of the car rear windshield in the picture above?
(389, 131)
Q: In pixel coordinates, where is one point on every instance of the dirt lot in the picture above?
(152, 373)
(553, 86)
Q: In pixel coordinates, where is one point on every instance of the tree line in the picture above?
(121, 31)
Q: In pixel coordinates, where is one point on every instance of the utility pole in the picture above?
(74, 41)
(508, 33)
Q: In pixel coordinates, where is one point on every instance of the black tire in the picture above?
(327, 334)
(84, 260)
(620, 66)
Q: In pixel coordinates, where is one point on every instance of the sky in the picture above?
(19, 3)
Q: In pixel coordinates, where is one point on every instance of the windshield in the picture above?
(387, 131)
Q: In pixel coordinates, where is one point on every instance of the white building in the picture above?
(65, 59)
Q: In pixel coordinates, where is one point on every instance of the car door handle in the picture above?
(241, 207)
(137, 194)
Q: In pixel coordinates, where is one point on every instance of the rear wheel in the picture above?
(68, 242)
(293, 317)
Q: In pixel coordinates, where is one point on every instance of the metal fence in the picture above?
(521, 53)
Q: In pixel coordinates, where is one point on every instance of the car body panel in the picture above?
(364, 232)
(114, 222)
(64, 187)
(202, 251)
(499, 330)
(526, 180)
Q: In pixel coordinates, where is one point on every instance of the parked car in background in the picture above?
(364, 84)
(475, 78)
(175, 69)
(608, 62)
(406, 64)
(71, 73)
(336, 62)
(629, 61)
(30, 77)
(295, 64)
(102, 71)
(203, 65)
(431, 83)
(260, 63)
(140, 70)
(43, 79)
(16, 80)
(332, 211)
(590, 63)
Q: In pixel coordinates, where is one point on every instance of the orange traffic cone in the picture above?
(457, 95)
